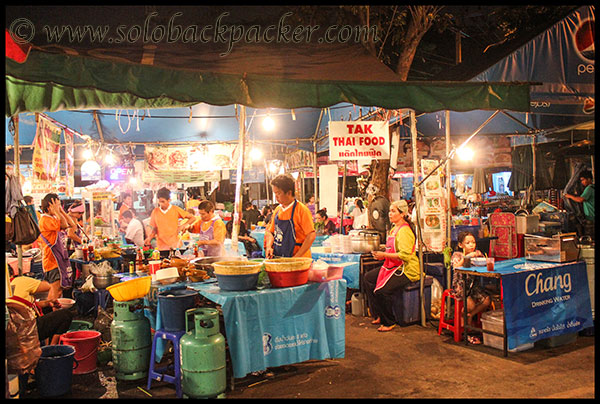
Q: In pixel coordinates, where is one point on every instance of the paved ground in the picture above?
(408, 362)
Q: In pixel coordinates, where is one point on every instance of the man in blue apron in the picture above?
(291, 231)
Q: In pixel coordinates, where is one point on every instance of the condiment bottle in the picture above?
(131, 267)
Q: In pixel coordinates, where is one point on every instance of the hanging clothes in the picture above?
(479, 181)
(14, 195)
(561, 174)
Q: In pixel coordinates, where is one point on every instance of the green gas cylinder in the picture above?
(202, 354)
(131, 340)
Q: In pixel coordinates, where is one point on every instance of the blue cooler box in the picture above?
(405, 303)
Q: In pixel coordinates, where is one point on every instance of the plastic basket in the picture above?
(131, 289)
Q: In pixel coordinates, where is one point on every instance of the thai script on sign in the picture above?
(350, 141)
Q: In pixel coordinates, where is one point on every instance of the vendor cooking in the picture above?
(164, 223)
(291, 231)
(211, 229)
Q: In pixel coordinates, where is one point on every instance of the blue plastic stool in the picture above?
(160, 373)
(101, 298)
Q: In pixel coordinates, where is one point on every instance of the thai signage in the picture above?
(359, 140)
(189, 163)
(46, 156)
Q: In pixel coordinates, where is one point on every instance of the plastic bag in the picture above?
(22, 342)
(102, 324)
(88, 286)
(101, 269)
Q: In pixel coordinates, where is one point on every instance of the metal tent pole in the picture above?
(18, 174)
(240, 181)
(316, 193)
(417, 195)
(449, 190)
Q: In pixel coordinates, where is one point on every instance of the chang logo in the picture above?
(333, 311)
(267, 347)
(533, 333)
(584, 40)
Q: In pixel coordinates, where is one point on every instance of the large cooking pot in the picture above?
(205, 263)
(364, 241)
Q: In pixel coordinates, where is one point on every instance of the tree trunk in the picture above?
(421, 19)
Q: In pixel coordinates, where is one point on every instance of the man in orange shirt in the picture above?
(55, 259)
(291, 231)
(125, 206)
(165, 225)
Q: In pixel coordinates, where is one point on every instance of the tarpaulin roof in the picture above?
(134, 74)
(562, 60)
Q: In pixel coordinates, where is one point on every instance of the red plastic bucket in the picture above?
(288, 278)
(86, 349)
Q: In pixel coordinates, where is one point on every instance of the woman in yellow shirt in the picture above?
(401, 267)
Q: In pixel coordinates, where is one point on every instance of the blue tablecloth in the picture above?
(351, 272)
(280, 326)
(541, 299)
(259, 236)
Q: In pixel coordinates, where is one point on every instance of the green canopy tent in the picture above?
(88, 75)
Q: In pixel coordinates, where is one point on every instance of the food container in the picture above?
(364, 241)
(287, 272)
(167, 276)
(237, 282)
(102, 282)
(325, 274)
(196, 275)
(478, 262)
(131, 289)
(527, 223)
(65, 303)
(558, 248)
(153, 267)
(205, 263)
(493, 321)
(236, 267)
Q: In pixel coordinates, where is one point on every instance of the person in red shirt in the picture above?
(55, 259)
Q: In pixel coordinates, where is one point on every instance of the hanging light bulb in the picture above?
(268, 123)
(88, 154)
(256, 154)
(109, 159)
(465, 153)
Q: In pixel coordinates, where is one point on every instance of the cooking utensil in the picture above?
(102, 282)
(365, 241)
(205, 263)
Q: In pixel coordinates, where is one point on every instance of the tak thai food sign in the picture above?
(359, 140)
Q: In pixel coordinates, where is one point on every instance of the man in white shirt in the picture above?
(135, 229)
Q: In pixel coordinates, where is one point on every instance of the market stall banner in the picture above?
(433, 207)
(299, 160)
(69, 162)
(280, 326)
(46, 156)
(252, 176)
(359, 140)
(189, 163)
(550, 300)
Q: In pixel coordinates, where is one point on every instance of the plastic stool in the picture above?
(160, 374)
(454, 326)
(101, 298)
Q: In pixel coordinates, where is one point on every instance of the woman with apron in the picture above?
(400, 267)
(55, 259)
(211, 240)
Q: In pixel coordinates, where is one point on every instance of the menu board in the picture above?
(433, 207)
